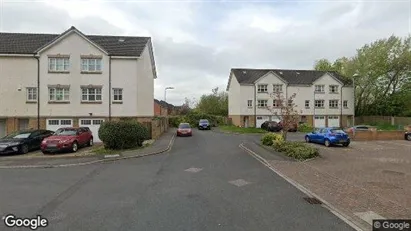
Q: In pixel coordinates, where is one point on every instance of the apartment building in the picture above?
(49, 81)
(322, 98)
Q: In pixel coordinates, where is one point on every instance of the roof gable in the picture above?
(275, 75)
(25, 43)
(292, 77)
(330, 75)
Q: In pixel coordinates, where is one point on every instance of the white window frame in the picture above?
(31, 94)
(319, 88)
(91, 65)
(307, 104)
(333, 89)
(63, 96)
(118, 92)
(333, 103)
(249, 103)
(319, 103)
(262, 88)
(345, 103)
(86, 91)
(57, 64)
(262, 103)
(276, 103)
(277, 88)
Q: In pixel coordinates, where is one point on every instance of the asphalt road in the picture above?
(204, 183)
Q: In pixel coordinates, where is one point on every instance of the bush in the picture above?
(271, 138)
(122, 134)
(297, 150)
(305, 128)
(194, 117)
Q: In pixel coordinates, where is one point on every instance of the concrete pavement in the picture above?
(204, 183)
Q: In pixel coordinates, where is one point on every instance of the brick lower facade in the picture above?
(240, 120)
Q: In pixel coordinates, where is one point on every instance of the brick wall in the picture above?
(376, 135)
(158, 127)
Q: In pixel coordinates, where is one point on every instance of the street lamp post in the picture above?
(165, 92)
(353, 83)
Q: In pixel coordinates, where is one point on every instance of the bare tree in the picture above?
(285, 109)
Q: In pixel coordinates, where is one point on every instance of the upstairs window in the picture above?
(319, 103)
(262, 103)
(333, 89)
(333, 103)
(249, 103)
(90, 65)
(277, 88)
(91, 94)
(262, 88)
(59, 64)
(31, 94)
(117, 94)
(345, 103)
(59, 94)
(319, 88)
(307, 104)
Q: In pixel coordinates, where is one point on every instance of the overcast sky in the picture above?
(197, 42)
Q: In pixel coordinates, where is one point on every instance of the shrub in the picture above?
(297, 150)
(122, 134)
(305, 128)
(271, 138)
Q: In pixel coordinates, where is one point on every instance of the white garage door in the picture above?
(93, 125)
(261, 120)
(319, 121)
(54, 124)
(333, 121)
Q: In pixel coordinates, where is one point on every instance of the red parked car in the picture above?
(184, 129)
(67, 139)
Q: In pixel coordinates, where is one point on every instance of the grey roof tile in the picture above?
(249, 76)
(25, 43)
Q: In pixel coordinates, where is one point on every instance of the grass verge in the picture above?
(103, 151)
(235, 129)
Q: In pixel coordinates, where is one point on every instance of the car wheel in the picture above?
(74, 146)
(346, 144)
(45, 152)
(24, 149)
(327, 143)
(409, 137)
(90, 142)
(307, 139)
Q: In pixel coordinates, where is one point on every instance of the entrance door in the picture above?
(2, 128)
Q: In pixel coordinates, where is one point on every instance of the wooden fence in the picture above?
(383, 120)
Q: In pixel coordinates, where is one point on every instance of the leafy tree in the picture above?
(215, 103)
(286, 109)
(383, 79)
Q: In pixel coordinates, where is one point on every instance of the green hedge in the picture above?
(194, 118)
(305, 128)
(271, 138)
(122, 134)
(297, 150)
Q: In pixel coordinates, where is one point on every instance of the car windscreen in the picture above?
(66, 132)
(203, 121)
(18, 135)
(184, 126)
(337, 131)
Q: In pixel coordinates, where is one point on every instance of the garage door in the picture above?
(333, 121)
(319, 121)
(2, 128)
(93, 125)
(54, 124)
(261, 120)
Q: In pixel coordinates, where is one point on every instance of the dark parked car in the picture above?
(272, 126)
(67, 139)
(328, 137)
(23, 141)
(264, 125)
(407, 136)
(184, 129)
(292, 127)
(358, 128)
(204, 125)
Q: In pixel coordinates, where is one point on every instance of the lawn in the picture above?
(235, 129)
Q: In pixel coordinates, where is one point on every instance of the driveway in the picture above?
(366, 178)
(204, 183)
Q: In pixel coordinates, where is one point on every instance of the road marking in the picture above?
(193, 170)
(111, 156)
(369, 216)
(239, 182)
